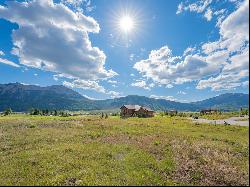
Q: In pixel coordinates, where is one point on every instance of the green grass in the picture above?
(243, 119)
(87, 150)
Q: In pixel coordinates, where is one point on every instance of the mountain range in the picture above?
(22, 97)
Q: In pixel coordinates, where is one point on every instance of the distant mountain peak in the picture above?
(22, 97)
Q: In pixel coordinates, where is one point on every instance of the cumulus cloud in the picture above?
(86, 85)
(2, 53)
(52, 37)
(188, 51)
(141, 84)
(234, 48)
(164, 68)
(91, 85)
(232, 75)
(114, 94)
(219, 65)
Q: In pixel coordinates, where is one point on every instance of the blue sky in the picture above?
(178, 50)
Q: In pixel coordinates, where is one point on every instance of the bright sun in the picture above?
(126, 24)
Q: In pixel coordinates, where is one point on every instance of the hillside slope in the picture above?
(24, 97)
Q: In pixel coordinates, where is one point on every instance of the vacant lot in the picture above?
(93, 151)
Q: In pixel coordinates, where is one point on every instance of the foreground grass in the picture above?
(93, 151)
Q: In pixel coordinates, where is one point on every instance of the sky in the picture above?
(182, 50)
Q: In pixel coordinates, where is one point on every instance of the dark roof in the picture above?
(148, 109)
(209, 110)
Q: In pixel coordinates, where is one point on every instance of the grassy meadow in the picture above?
(87, 150)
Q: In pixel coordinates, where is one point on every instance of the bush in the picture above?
(7, 112)
(106, 116)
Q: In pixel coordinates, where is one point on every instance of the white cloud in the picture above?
(112, 82)
(219, 12)
(219, 65)
(140, 84)
(246, 83)
(25, 84)
(207, 8)
(236, 27)
(182, 92)
(170, 98)
(164, 68)
(79, 4)
(188, 51)
(169, 86)
(208, 14)
(131, 57)
(90, 85)
(5, 61)
(114, 94)
(221, 82)
(180, 8)
(86, 85)
(55, 77)
(151, 85)
(2, 53)
(234, 48)
(232, 75)
(52, 37)
(90, 98)
(199, 6)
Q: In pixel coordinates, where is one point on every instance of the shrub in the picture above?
(8, 111)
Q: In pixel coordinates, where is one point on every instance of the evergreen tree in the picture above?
(36, 111)
(43, 112)
(8, 111)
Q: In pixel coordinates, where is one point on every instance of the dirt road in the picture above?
(231, 121)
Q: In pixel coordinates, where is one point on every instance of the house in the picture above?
(136, 111)
(145, 112)
(173, 112)
(209, 111)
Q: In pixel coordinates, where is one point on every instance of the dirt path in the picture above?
(231, 121)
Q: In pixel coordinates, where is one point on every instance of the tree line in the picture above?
(46, 112)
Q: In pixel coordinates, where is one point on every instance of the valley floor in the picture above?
(87, 150)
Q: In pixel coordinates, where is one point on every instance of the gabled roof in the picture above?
(147, 109)
(132, 107)
(137, 107)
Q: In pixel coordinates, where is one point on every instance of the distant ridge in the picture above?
(24, 97)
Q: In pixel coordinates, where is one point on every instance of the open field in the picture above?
(87, 150)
